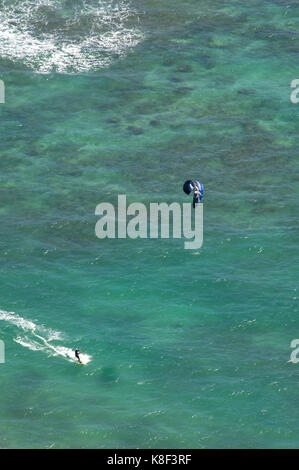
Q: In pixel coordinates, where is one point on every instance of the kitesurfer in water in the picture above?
(196, 196)
(197, 189)
(77, 355)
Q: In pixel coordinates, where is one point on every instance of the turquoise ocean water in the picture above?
(185, 348)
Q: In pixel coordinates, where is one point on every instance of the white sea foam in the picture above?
(15, 319)
(67, 37)
(38, 338)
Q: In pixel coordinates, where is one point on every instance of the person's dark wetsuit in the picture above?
(77, 354)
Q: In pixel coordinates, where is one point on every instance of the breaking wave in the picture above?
(67, 36)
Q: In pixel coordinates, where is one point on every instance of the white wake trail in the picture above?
(32, 338)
